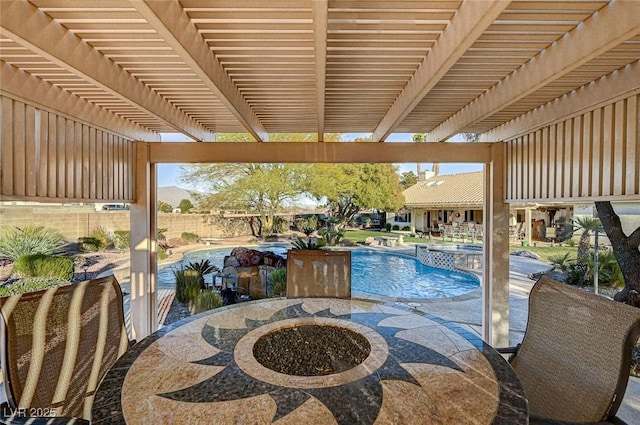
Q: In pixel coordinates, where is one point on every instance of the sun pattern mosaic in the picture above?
(418, 371)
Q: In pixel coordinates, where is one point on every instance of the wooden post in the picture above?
(495, 323)
(143, 217)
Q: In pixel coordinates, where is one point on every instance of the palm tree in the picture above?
(587, 225)
(419, 138)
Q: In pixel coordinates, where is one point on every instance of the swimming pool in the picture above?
(378, 273)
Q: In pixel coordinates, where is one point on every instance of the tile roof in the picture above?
(454, 190)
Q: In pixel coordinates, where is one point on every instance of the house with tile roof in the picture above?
(442, 199)
(441, 202)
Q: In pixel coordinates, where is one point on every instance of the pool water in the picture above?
(401, 276)
(372, 272)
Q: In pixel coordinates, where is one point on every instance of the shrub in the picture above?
(307, 244)
(395, 227)
(162, 252)
(202, 267)
(387, 226)
(280, 225)
(609, 273)
(184, 280)
(122, 239)
(278, 278)
(406, 228)
(30, 284)
(192, 294)
(191, 237)
(206, 300)
(89, 244)
(561, 262)
(576, 274)
(331, 236)
(42, 265)
(16, 242)
(192, 291)
(103, 236)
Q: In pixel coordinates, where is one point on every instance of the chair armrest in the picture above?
(508, 350)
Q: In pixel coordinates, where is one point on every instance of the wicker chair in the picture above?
(574, 360)
(57, 344)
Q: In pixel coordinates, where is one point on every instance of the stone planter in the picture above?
(318, 273)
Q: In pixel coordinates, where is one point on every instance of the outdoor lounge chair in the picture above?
(57, 344)
(574, 360)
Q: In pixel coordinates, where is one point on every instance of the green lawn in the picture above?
(358, 236)
(546, 253)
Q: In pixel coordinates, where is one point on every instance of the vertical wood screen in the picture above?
(48, 156)
(593, 155)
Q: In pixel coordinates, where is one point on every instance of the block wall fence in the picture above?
(74, 223)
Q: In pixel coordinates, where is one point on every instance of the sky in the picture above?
(169, 174)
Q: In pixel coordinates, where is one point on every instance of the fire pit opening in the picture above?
(311, 350)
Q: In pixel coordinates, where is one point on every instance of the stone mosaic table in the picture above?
(418, 369)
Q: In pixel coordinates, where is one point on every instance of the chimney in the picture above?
(427, 175)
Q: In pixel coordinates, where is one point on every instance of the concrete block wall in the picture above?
(78, 221)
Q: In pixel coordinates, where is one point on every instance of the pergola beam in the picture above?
(320, 19)
(173, 24)
(471, 20)
(27, 25)
(612, 25)
(607, 89)
(22, 86)
(311, 152)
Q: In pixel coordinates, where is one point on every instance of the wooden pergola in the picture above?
(552, 86)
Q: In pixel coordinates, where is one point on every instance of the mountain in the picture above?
(172, 195)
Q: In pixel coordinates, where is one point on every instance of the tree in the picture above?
(164, 207)
(419, 138)
(587, 225)
(185, 205)
(351, 188)
(626, 250)
(262, 189)
(408, 179)
(471, 137)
